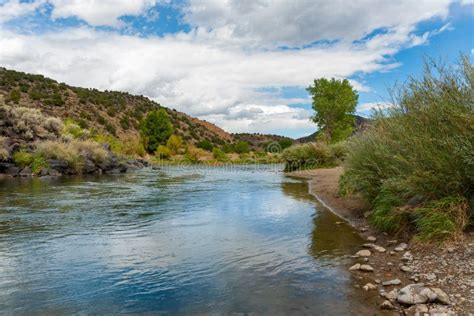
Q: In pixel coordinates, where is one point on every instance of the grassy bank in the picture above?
(313, 155)
(415, 163)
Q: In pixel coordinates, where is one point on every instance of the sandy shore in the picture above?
(448, 267)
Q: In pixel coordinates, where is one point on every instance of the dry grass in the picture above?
(4, 150)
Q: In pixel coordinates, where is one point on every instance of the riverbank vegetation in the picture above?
(415, 163)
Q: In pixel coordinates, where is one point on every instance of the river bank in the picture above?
(392, 265)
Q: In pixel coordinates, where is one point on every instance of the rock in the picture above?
(372, 239)
(418, 310)
(431, 276)
(155, 168)
(369, 286)
(60, 166)
(355, 267)
(377, 281)
(401, 247)
(392, 253)
(387, 305)
(406, 269)
(364, 229)
(339, 223)
(363, 253)
(9, 168)
(451, 249)
(392, 295)
(368, 245)
(407, 256)
(415, 294)
(88, 166)
(26, 172)
(366, 268)
(44, 172)
(392, 282)
(441, 296)
(392, 242)
(379, 248)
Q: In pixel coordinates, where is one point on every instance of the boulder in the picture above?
(371, 239)
(415, 294)
(355, 267)
(26, 172)
(406, 268)
(379, 248)
(387, 305)
(441, 296)
(369, 286)
(9, 168)
(401, 247)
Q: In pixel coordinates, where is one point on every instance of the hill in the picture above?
(109, 112)
(260, 141)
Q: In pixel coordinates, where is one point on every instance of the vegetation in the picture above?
(313, 155)
(155, 129)
(22, 158)
(415, 163)
(241, 147)
(4, 150)
(163, 152)
(334, 102)
(174, 144)
(205, 144)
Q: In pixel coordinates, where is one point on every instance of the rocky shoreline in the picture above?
(112, 165)
(409, 278)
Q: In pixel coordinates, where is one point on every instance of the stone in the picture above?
(355, 267)
(392, 242)
(401, 247)
(339, 223)
(363, 253)
(9, 168)
(392, 253)
(392, 282)
(419, 309)
(369, 286)
(431, 276)
(415, 294)
(366, 268)
(387, 305)
(26, 172)
(441, 296)
(379, 248)
(368, 245)
(406, 268)
(407, 256)
(392, 295)
(372, 239)
(364, 229)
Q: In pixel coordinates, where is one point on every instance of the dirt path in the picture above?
(448, 267)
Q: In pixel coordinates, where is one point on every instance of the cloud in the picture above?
(99, 12)
(220, 69)
(15, 8)
(367, 107)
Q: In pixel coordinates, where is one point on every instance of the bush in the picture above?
(308, 156)
(163, 152)
(4, 151)
(205, 144)
(73, 130)
(419, 154)
(219, 155)
(22, 158)
(174, 144)
(38, 164)
(241, 147)
(15, 96)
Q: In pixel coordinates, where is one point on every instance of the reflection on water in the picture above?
(184, 241)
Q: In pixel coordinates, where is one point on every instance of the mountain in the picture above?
(109, 112)
(360, 123)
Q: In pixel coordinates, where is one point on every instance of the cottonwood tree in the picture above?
(155, 129)
(334, 102)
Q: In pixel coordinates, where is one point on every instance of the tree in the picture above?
(334, 102)
(155, 129)
(174, 143)
(205, 144)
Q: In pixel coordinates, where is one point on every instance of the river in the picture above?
(181, 240)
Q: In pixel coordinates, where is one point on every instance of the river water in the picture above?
(181, 240)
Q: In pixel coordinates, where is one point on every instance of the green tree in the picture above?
(334, 102)
(15, 96)
(155, 129)
(205, 144)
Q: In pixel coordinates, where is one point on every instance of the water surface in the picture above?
(173, 241)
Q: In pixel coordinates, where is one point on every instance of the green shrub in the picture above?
(22, 158)
(241, 147)
(15, 96)
(307, 156)
(174, 144)
(219, 155)
(39, 163)
(205, 144)
(163, 152)
(419, 153)
(155, 129)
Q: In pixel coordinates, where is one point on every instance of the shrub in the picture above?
(419, 153)
(4, 151)
(219, 155)
(163, 152)
(241, 147)
(15, 96)
(22, 158)
(205, 144)
(38, 163)
(73, 130)
(194, 154)
(174, 144)
(308, 156)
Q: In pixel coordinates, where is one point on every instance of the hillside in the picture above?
(257, 140)
(359, 125)
(109, 112)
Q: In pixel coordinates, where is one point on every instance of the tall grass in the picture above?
(415, 163)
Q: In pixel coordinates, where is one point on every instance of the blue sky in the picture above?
(243, 65)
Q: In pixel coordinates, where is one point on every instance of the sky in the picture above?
(241, 64)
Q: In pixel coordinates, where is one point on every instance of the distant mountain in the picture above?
(109, 112)
(360, 124)
(259, 141)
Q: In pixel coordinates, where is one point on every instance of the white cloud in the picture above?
(297, 23)
(217, 71)
(14, 8)
(99, 12)
(367, 107)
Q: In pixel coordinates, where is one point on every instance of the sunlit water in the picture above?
(173, 241)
